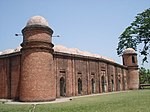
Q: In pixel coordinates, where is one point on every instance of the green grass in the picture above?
(133, 101)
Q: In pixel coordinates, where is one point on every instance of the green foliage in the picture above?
(138, 33)
(132, 101)
(144, 76)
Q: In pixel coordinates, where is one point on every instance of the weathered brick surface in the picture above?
(72, 68)
(130, 60)
(9, 76)
(4, 78)
(37, 78)
(15, 63)
(40, 77)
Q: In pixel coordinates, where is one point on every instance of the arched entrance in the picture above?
(112, 85)
(62, 87)
(79, 86)
(103, 83)
(93, 85)
(119, 85)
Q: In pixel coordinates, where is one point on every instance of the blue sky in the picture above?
(89, 25)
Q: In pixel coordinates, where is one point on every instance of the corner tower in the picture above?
(130, 60)
(37, 81)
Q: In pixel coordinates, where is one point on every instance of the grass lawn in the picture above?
(132, 101)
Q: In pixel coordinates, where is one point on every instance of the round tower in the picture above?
(130, 60)
(37, 81)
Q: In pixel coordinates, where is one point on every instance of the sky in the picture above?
(89, 25)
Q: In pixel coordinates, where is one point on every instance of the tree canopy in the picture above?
(144, 76)
(137, 34)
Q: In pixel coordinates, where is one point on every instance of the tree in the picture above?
(144, 76)
(137, 34)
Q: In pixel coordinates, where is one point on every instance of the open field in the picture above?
(132, 101)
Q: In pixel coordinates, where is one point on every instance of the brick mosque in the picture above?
(41, 72)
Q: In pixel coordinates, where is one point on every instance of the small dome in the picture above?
(8, 51)
(129, 51)
(37, 20)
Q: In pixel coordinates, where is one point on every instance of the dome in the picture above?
(8, 51)
(129, 51)
(37, 20)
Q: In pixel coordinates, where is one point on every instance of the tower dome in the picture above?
(129, 51)
(37, 20)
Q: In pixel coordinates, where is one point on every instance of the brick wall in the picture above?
(74, 67)
(9, 76)
(70, 67)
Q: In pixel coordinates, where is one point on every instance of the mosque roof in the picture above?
(63, 49)
(39, 20)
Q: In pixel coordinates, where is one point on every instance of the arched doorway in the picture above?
(79, 86)
(93, 85)
(119, 85)
(62, 87)
(103, 83)
(112, 85)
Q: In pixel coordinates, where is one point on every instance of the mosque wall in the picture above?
(9, 76)
(75, 75)
(82, 75)
(4, 78)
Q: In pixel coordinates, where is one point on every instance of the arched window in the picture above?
(103, 83)
(62, 87)
(133, 59)
(93, 85)
(79, 86)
